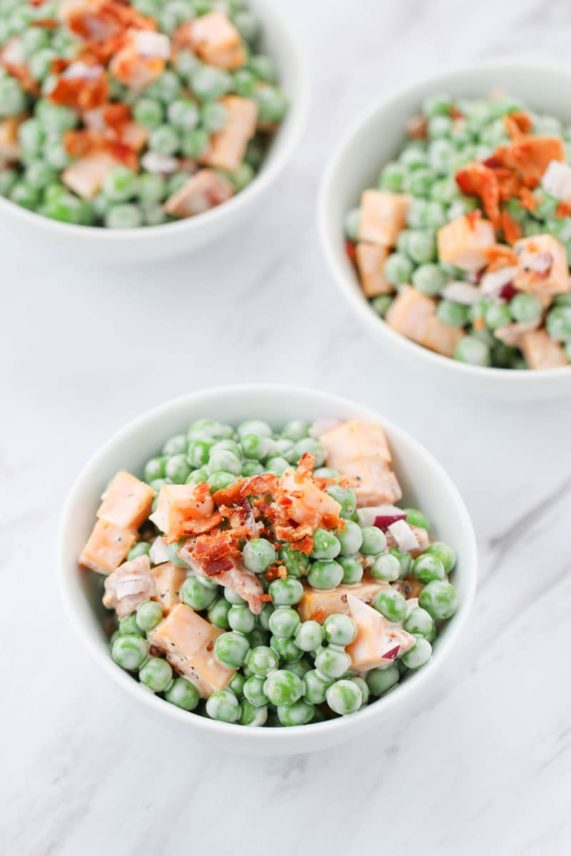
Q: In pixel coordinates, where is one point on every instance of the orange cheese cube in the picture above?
(228, 146)
(86, 175)
(464, 241)
(187, 641)
(9, 145)
(107, 547)
(126, 502)
(215, 40)
(179, 503)
(540, 351)
(542, 266)
(371, 260)
(376, 638)
(168, 579)
(440, 337)
(359, 450)
(383, 216)
(317, 605)
(203, 190)
(414, 315)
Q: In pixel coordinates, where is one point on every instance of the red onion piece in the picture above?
(508, 291)
(392, 654)
(383, 521)
(367, 515)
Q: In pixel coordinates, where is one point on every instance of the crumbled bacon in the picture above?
(351, 250)
(517, 124)
(81, 93)
(215, 553)
(500, 256)
(563, 209)
(511, 229)
(198, 527)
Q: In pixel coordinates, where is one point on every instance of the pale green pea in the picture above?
(232, 597)
(253, 717)
(381, 304)
(339, 629)
(298, 713)
(236, 684)
(352, 570)
(286, 592)
(283, 687)
(374, 541)
(177, 469)
(559, 323)
(419, 181)
(497, 315)
(258, 554)
(286, 649)
(128, 626)
(222, 460)
(382, 679)
(437, 105)
(309, 636)
(471, 350)
(439, 599)
(419, 655)
(140, 549)
(263, 67)
(231, 649)
(262, 660)
(451, 313)
(421, 246)
(272, 104)
(350, 538)
(420, 623)
(325, 545)
(194, 143)
(124, 216)
(183, 114)
(325, 575)
(414, 517)
(308, 445)
(164, 140)
(195, 594)
(332, 662)
(284, 622)
(362, 684)
(429, 279)
(198, 476)
(209, 83)
(427, 568)
(445, 553)
(346, 498)
(223, 706)
(344, 697)
(398, 269)
(148, 112)
(386, 567)
(316, 686)
(254, 691)
(296, 430)
(129, 652)
(218, 613)
(352, 221)
(156, 674)
(277, 465)
(391, 604)
(296, 563)
(392, 177)
(183, 694)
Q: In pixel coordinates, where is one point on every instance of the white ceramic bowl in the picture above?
(376, 139)
(425, 485)
(122, 246)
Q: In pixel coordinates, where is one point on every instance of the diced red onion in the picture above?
(508, 291)
(404, 536)
(462, 292)
(383, 521)
(492, 283)
(392, 654)
(366, 516)
(556, 180)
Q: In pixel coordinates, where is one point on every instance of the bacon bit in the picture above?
(563, 209)
(351, 250)
(23, 76)
(275, 572)
(215, 553)
(417, 128)
(527, 199)
(511, 229)
(305, 466)
(198, 527)
(500, 256)
(473, 218)
(517, 124)
(265, 598)
(476, 179)
(263, 485)
(478, 323)
(81, 93)
(116, 116)
(529, 157)
(455, 113)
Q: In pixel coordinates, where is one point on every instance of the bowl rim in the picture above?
(378, 327)
(378, 708)
(291, 128)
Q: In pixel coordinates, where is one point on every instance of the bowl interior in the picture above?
(378, 138)
(424, 484)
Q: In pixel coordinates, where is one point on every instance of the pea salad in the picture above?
(123, 114)
(464, 245)
(269, 578)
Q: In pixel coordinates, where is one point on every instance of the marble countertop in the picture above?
(483, 765)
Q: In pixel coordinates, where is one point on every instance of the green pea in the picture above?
(148, 112)
(471, 350)
(309, 636)
(283, 687)
(198, 476)
(346, 498)
(258, 554)
(299, 713)
(421, 246)
(310, 446)
(262, 660)
(352, 570)
(156, 674)
(382, 679)
(339, 629)
(392, 177)
(439, 599)
(199, 452)
(445, 553)
(155, 469)
(413, 156)
(419, 181)
(420, 623)
(244, 82)
(427, 568)
(272, 104)
(451, 313)
(128, 626)
(559, 323)
(183, 694)
(209, 83)
(232, 597)
(140, 549)
(223, 706)
(251, 468)
(129, 652)
(123, 217)
(286, 649)
(24, 194)
(231, 649)
(414, 517)
(177, 469)
(277, 465)
(332, 662)
(236, 685)
(183, 114)
(325, 545)
(419, 655)
(386, 567)
(241, 619)
(350, 538)
(295, 430)
(120, 184)
(164, 140)
(254, 717)
(8, 178)
(344, 697)
(316, 686)
(220, 480)
(148, 615)
(374, 541)
(285, 592)
(284, 622)
(398, 269)
(295, 562)
(352, 222)
(196, 594)
(429, 279)
(325, 575)
(381, 304)
(391, 604)
(437, 105)
(166, 88)
(254, 446)
(440, 154)
(497, 315)
(254, 691)
(194, 143)
(218, 613)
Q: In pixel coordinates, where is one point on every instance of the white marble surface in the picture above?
(484, 765)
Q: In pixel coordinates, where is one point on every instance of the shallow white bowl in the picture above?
(373, 141)
(122, 246)
(425, 485)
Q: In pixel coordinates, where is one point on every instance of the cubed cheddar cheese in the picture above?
(9, 145)
(383, 216)
(187, 641)
(377, 642)
(178, 503)
(371, 260)
(129, 586)
(107, 547)
(540, 351)
(359, 450)
(316, 605)
(86, 175)
(126, 502)
(168, 579)
(542, 267)
(227, 147)
(413, 315)
(203, 190)
(215, 40)
(463, 242)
